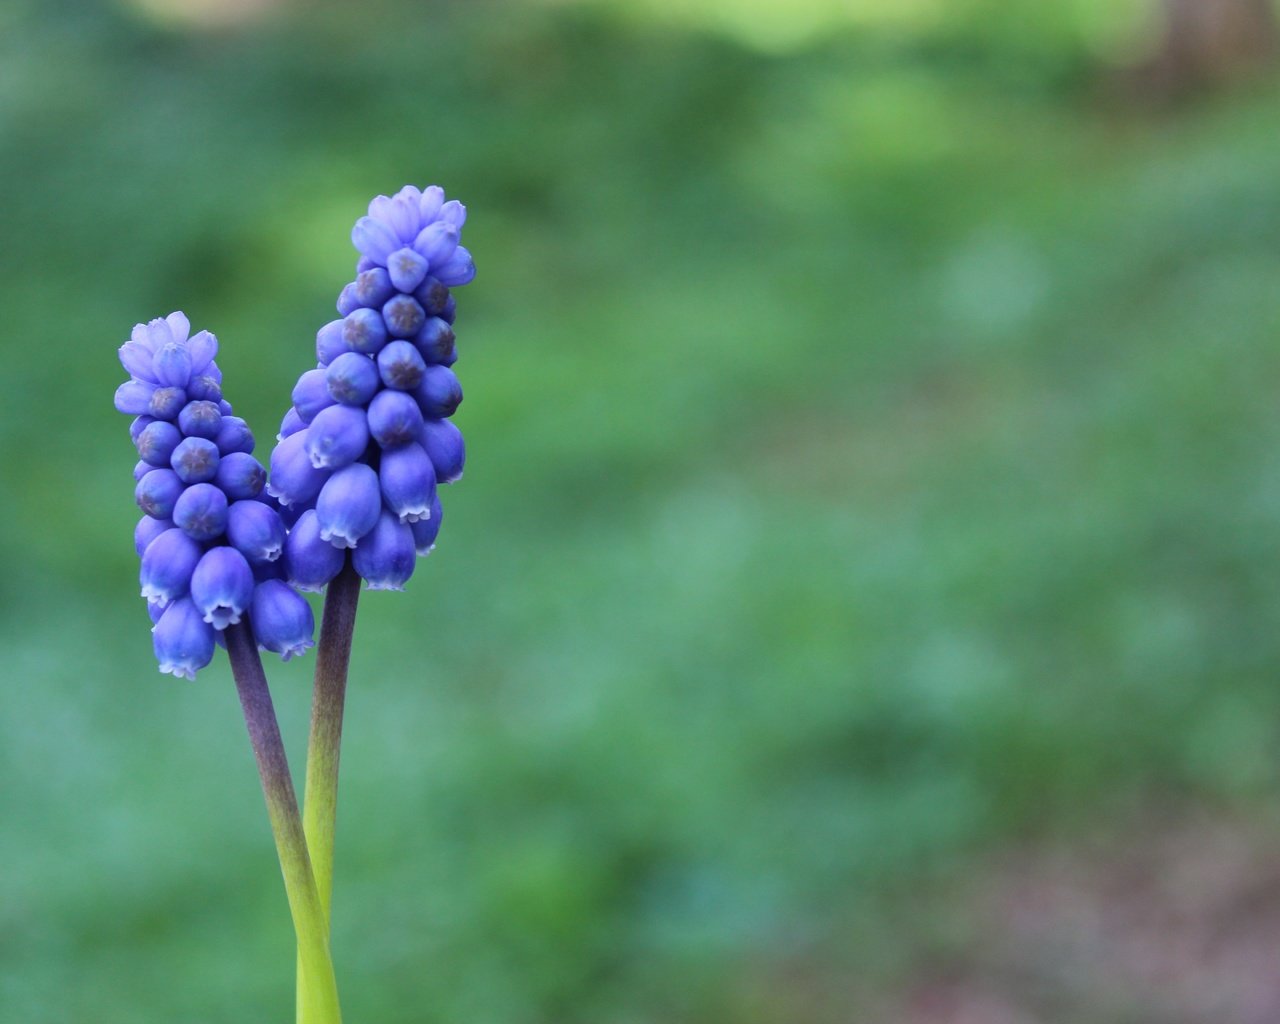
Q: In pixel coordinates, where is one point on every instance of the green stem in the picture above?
(328, 702)
(309, 921)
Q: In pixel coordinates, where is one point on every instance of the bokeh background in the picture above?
(862, 600)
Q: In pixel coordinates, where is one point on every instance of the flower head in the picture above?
(210, 531)
(368, 437)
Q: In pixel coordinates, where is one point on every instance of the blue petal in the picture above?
(394, 418)
(457, 270)
(374, 239)
(311, 394)
(167, 565)
(348, 505)
(310, 561)
(133, 397)
(386, 557)
(436, 243)
(201, 512)
(182, 640)
(408, 482)
(281, 618)
(293, 479)
(337, 436)
(255, 530)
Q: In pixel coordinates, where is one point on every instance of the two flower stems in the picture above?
(304, 843)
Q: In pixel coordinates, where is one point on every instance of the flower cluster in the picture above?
(211, 539)
(368, 437)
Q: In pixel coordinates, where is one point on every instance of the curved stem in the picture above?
(327, 705)
(309, 920)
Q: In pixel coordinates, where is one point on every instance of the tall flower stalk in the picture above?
(352, 495)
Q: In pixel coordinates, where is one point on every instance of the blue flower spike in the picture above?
(208, 518)
(369, 465)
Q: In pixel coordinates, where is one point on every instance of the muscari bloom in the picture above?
(368, 437)
(211, 536)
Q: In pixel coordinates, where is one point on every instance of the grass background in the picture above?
(872, 427)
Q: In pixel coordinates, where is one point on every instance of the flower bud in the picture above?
(399, 212)
(234, 436)
(386, 556)
(457, 270)
(394, 418)
(348, 505)
(182, 640)
(138, 360)
(352, 378)
(435, 341)
(406, 269)
(374, 287)
(400, 366)
(431, 296)
(157, 441)
(167, 565)
(453, 212)
(171, 366)
(429, 204)
(157, 491)
(134, 397)
(166, 403)
(436, 243)
(347, 300)
(293, 480)
(403, 316)
(201, 512)
(255, 530)
(364, 331)
(374, 239)
(443, 443)
(240, 476)
(439, 394)
(203, 346)
(311, 394)
(408, 482)
(282, 620)
(337, 436)
(205, 387)
(310, 561)
(222, 586)
(195, 460)
(200, 419)
(329, 343)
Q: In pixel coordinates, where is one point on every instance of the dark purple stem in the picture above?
(309, 919)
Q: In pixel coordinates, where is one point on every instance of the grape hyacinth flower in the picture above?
(368, 432)
(203, 485)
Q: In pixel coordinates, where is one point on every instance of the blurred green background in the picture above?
(861, 603)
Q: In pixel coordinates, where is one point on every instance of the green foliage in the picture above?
(869, 464)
